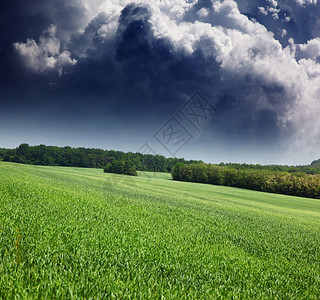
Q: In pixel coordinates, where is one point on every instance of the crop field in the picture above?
(81, 233)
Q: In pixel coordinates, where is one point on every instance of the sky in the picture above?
(220, 81)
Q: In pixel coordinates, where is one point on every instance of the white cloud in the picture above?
(45, 55)
(306, 2)
(273, 3)
(311, 49)
(202, 13)
(287, 18)
(263, 10)
(274, 12)
(283, 32)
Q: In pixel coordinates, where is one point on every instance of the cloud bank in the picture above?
(257, 61)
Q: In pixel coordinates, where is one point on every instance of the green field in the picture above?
(81, 233)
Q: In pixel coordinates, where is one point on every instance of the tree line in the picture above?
(281, 182)
(87, 158)
(314, 168)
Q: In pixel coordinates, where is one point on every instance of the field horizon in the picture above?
(79, 233)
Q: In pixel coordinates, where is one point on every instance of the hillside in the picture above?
(75, 232)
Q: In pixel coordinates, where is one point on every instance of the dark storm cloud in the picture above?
(142, 61)
(134, 71)
(27, 19)
(20, 20)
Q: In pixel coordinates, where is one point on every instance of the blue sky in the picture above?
(117, 74)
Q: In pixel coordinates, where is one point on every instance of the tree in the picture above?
(121, 167)
(23, 150)
(129, 168)
(176, 171)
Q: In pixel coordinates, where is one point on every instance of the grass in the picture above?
(81, 233)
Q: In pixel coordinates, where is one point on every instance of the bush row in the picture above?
(295, 184)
